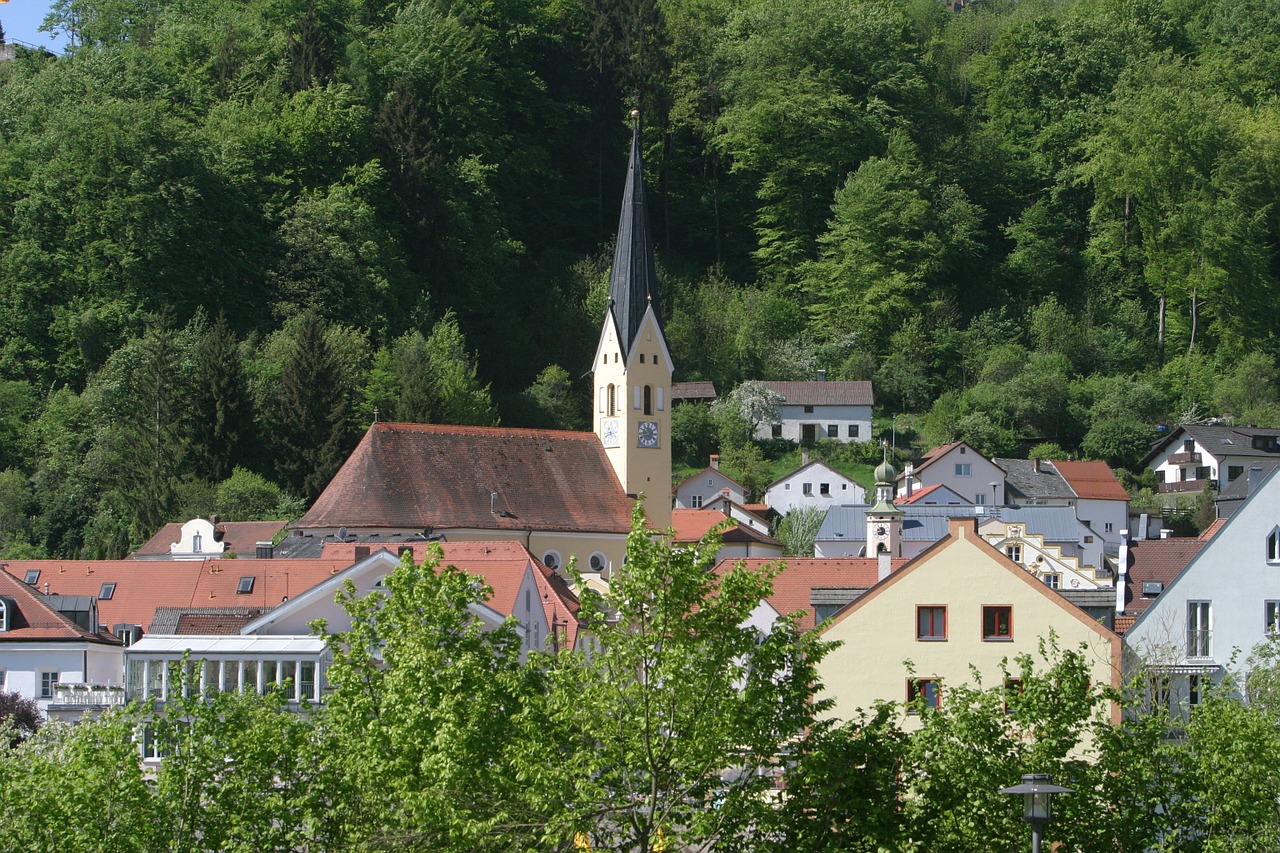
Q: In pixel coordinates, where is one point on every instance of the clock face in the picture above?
(881, 531)
(647, 434)
(609, 432)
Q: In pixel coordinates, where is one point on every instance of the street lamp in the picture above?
(1037, 789)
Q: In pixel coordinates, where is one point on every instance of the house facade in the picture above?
(814, 485)
(819, 410)
(700, 489)
(1223, 603)
(958, 467)
(960, 606)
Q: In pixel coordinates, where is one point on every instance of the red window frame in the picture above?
(928, 689)
(992, 623)
(931, 622)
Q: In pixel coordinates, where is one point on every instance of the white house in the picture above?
(47, 641)
(1192, 456)
(961, 469)
(813, 485)
(1223, 603)
(810, 411)
(700, 489)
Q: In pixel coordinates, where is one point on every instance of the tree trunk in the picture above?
(1160, 335)
(1195, 316)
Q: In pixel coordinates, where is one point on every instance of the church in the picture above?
(562, 494)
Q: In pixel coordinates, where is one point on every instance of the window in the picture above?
(964, 469)
(551, 560)
(662, 405)
(923, 692)
(648, 399)
(808, 410)
(3, 676)
(696, 501)
(980, 499)
(1272, 613)
(833, 430)
(32, 577)
(1012, 690)
(197, 543)
(598, 562)
(47, 681)
(1053, 581)
(853, 430)
(824, 489)
(1013, 552)
(245, 586)
(613, 400)
(1107, 527)
(1194, 689)
(107, 592)
(4, 614)
(1234, 471)
(931, 623)
(642, 358)
(1198, 629)
(777, 430)
(807, 488)
(997, 622)
(1088, 540)
(307, 680)
(1273, 546)
(635, 397)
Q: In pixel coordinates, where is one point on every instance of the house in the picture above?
(961, 469)
(692, 392)
(814, 410)
(817, 588)
(961, 606)
(1090, 487)
(1193, 456)
(48, 641)
(200, 539)
(701, 488)
(815, 485)
(562, 494)
(1046, 561)
(736, 541)
(1204, 622)
(755, 516)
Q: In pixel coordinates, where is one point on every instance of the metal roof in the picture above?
(227, 645)
(633, 282)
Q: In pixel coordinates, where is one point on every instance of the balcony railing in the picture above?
(1184, 486)
(87, 695)
(1187, 457)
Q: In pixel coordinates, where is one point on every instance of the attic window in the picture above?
(245, 586)
(107, 592)
(32, 577)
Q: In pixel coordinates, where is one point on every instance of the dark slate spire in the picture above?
(633, 284)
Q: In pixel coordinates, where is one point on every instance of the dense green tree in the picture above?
(460, 396)
(222, 422)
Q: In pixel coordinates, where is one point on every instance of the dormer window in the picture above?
(5, 609)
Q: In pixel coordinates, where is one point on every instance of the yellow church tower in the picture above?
(632, 368)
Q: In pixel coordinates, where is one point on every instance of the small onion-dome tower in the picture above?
(884, 520)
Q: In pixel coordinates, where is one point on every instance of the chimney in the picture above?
(822, 375)
(884, 565)
(1255, 477)
(1122, 570)
(909, 472)
(715, 461)
(962, 528)
(265, 550)
(1165, 533)
(1035, 465)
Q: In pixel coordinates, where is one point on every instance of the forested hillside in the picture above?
(231, 232)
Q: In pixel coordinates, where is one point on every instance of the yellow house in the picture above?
(959, 605)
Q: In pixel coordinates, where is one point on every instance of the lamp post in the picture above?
(1037, 790)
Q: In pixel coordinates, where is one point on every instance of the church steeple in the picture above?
(633, 283)
(632, 364)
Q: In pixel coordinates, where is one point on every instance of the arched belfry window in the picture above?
(613, 400)
(648, 399)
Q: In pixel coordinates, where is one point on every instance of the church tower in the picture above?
(884, 520)
(632, 368)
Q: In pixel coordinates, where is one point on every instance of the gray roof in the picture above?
(1024, 482)
(818, 393)
(633, 282)
(848, 523)
(695, 390)
(837, 595)
(303, 545)
(1219, 440)
(1238, 490)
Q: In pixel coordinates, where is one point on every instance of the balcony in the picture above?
(1182, 486)
(86, 697)
(1184, 458)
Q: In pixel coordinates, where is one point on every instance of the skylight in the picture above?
(245, 586)
(108, 590)
(32, 577)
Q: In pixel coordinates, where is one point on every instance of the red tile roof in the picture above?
(691, 525)
(1156, 561)
(32, 619)
(1092, 480)
(240, 537)
(916, 495)
(417, 476)
(793, 587)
